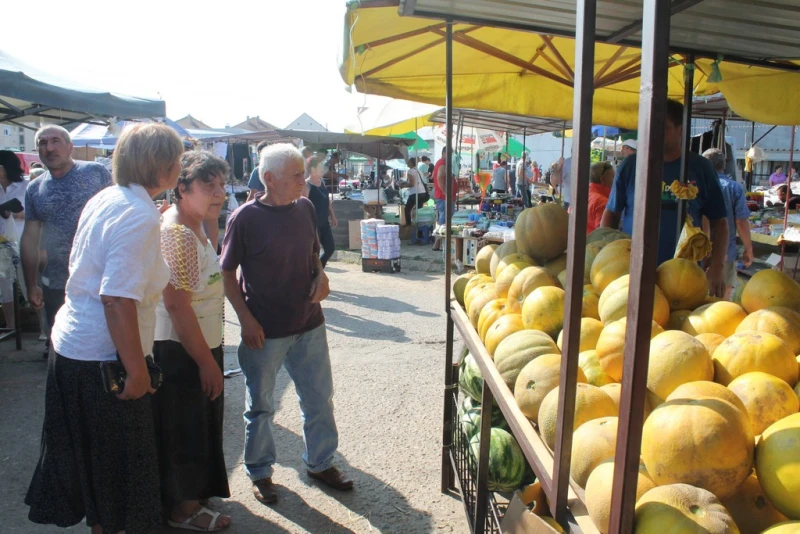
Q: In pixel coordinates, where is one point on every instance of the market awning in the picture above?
(27, 93)
(531, 74)
(100, 136)
(369, 145)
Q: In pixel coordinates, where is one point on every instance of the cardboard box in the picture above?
(520, 520)
(354, 228)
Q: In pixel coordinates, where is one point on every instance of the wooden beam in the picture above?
(402, 36)
(563, 62)
(607, 65)
(490, 50)
(621, 69)
(534, 57)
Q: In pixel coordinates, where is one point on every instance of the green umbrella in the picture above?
(419, 145)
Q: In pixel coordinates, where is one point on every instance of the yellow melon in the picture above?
(590, 332)
(535, 381)
(460, 286)
(683, 282)
(611, 344)
(534, 494)
(479, 280)
(778, 465)
(507, 276)
(787, 527)
(592, 443)
(598, 492)
(590, 302)
(591, 402)
(543, 310)
(702, 442)
(706, 388)
(501, 329)
(710, 341)
(611, 263)
(614, 390)
(676, 358)
(797, 390)
(770, 288)
(483, 258)
(613, 303)
(529, 279)
(518, 349)
(716, 318)
(552, 523)
(778, 320)
(676, 319)
(682, 508)
(479, 299)
(562, 278)
(506, 249)
(491, 313)
(592, 249)
(751, 509)
(766, 398)
(746, 352)
(556, 265)
(595, 375)
(541, 231)
(517, 257)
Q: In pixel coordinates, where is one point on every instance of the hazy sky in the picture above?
(219, 61)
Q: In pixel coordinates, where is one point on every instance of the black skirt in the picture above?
(188, 429)
(96, 455)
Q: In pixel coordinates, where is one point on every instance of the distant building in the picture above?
(255, 124)
(190, 122)
(13, 137)
(306, 122)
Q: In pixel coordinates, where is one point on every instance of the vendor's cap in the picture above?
(630, 143)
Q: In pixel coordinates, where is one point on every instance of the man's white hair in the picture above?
(274, 158)
(52, 128)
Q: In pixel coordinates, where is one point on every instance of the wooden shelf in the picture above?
(534, 449)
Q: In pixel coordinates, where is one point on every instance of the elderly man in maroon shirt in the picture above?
(273, 241)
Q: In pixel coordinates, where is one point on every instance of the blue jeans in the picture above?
(307, 361)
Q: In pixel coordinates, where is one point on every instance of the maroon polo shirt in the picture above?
(274, 247)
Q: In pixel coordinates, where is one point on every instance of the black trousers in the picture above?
(325, 233)
(418, 199)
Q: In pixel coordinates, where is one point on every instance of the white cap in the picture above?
(631, 143)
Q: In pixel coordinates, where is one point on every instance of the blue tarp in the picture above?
(28, 93)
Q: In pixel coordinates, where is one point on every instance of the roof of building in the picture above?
(255, 124)
(306, 122)
(190, 122)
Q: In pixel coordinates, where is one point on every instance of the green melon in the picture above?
(506, 461)
(471, 421)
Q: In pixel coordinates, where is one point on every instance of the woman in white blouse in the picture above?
(98, 447)
(188, 407)
(12, 186)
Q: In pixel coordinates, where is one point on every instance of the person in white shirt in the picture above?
(417, 194)
(12, 222)
(98, 447)
(188, 406)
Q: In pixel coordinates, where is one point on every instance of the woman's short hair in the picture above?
(10, 162)
(203, 166)
(143, 152)
(598, 170)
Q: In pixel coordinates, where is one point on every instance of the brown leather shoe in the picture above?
(264, 491)
(333, 478)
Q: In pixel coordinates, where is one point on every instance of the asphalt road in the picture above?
(386, 335)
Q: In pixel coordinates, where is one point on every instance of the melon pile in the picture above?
(721, 436)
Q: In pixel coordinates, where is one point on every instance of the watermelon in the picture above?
(506, 461)
(470, 380)
(471, 420)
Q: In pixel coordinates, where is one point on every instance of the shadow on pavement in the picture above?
(348, 325)
(378, 303)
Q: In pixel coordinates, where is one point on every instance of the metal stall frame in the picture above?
(552, 470)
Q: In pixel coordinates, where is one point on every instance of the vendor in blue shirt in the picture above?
(709, 202)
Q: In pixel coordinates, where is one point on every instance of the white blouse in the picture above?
(14, 190)
(116, 253)
(194, 266)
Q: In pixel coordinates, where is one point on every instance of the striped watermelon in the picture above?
(506, 461)
(470, 380)
(471, 420)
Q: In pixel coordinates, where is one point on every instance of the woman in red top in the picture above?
(601, 177)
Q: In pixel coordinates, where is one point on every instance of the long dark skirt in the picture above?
(188, 429)
(96, 455)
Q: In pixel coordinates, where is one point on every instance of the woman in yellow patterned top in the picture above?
(188, 407)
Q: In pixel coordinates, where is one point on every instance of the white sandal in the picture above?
(187, 524)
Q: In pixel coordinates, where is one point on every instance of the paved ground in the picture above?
(386, 334)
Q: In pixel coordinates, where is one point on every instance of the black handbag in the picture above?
(113, 375)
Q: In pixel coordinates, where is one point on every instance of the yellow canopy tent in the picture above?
(532, 74)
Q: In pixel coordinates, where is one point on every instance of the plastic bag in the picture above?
(693, 243)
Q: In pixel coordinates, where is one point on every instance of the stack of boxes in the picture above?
(388, 242)
(369, 237)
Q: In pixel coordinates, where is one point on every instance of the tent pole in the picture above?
(788, 196)
(603, 157)
(448, 477)
(416, 144)
(688, 91)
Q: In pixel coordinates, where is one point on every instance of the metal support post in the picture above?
(688, 92)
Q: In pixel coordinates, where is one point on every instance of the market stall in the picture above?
(697, 446)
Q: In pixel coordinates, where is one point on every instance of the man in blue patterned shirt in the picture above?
(53, 205)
